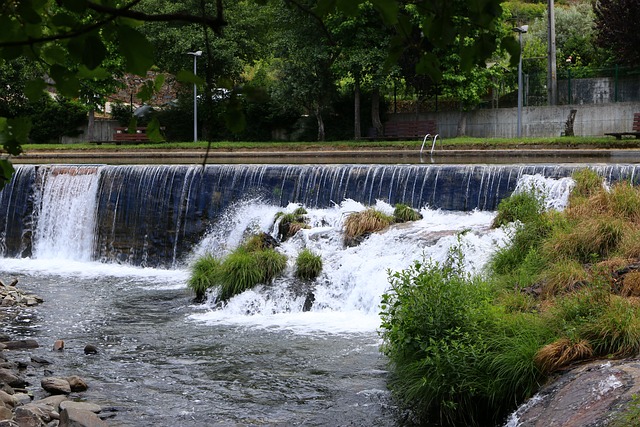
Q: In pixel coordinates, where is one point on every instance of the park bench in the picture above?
(123, 135)
(635, 130)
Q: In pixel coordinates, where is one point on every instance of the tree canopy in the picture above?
(74, 43)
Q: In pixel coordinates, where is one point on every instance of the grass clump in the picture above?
(203, 275)
(250, 264)
(405, 213)
(308, 265)
(358, 225)
(523, 207)
(290, 223)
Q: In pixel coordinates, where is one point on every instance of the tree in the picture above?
(57, 33)
(616, 27)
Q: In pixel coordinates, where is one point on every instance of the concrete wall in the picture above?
(599, 90)
(591, 120)
(103, 130)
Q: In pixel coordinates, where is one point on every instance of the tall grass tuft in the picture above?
(359, 224)
(405, 213)
(252, 263)
(204, 275)
(562, 353)
(308, 265)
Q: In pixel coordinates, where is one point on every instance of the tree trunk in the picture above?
(375, 111)
(462, 124)
(357, 128)
(91, 125)
(318, 114)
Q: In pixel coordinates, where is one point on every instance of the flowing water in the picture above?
(260, 360)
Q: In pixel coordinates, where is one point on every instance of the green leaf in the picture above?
(54, 54)
(159, 81)
(28, 13)
(98, 73)
(136, 49)
(388, 10)
(94, 52)
(75, 5)
(324, 7)
(184, 76)
(153, 130)
(19, 129)
(34, 89)
(6, 171)
(430, 66)
(66, 83)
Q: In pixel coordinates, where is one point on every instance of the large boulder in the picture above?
(585, 396)
(72, 417)
(55, 385)
(12, 380)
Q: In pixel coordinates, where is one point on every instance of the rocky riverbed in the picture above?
(31, 394)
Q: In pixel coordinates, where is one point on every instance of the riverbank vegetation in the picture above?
(465, 350)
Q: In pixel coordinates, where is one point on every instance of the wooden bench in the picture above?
(409, 129)
(635, 130)
(122, 135)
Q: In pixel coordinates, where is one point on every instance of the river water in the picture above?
(260, 360)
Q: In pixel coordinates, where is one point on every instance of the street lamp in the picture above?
(520, 30)
(195, 95)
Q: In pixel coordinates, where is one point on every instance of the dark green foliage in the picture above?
(308, 265)
(404, 213)
(52, 119)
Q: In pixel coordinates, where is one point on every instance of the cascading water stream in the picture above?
(66, 214)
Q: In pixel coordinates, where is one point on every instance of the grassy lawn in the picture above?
(447, 143)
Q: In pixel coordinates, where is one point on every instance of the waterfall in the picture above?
(155, 215)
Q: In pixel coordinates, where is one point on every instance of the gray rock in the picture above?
(54, 401)
(21, 344)
(4, 337)
(22, 398)
(5, 413)
(85, 406)
(76, 383)
(55, 385)
(587, 395)
(27, 417)
(78, 418)
(9, 378)
(7, 399)
(90, 349)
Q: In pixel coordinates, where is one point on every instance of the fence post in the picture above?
(569, 98)
(615, 86)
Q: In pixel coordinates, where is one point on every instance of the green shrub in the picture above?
(308, 265)
(271, 262)
(404, 213)
(524, 207)
(55, 118)
(204, 275)
(239, 271)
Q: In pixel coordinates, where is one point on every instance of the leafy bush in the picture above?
(54, 118)
(404, 213)
(308, 265)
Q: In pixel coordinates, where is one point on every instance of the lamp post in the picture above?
(520, 30)
(195, 95)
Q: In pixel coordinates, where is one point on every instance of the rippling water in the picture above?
(159, 367)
